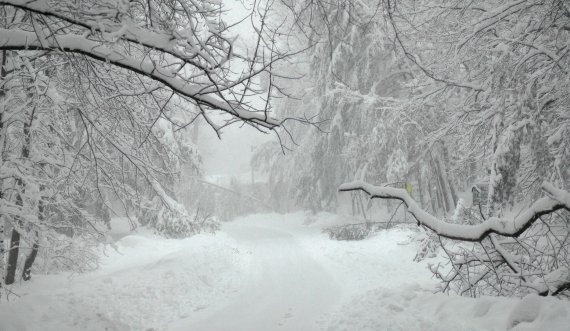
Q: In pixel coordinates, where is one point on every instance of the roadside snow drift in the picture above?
(266, 272)
(144, 285)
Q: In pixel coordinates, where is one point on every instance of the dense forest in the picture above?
(451, 99)
(452, 115)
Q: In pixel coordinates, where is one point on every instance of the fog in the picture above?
(284, 165)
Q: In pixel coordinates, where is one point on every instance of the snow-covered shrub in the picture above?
(356, 231)
(63, 253)
(168, 222)
(428, 245)
(350, 231)
(170, 218)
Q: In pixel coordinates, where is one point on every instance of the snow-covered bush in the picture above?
(428, 245)
(174, 221)
(63, 253)
(351, 231)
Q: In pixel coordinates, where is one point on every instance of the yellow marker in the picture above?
(408, 188)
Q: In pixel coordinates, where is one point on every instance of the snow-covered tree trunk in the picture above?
(12, 262)
(31, 257)
(20, 188)
(3, 222)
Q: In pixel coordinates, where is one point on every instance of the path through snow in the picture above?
(287, 289)
(265, 272)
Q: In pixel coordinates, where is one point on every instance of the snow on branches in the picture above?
(465, 232)
(482, 262)
(182, 44)
(95, 97)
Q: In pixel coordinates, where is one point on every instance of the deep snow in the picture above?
(265, 272)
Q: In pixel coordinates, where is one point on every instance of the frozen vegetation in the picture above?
(284, 165)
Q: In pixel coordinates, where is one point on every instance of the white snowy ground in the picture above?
(265, 272)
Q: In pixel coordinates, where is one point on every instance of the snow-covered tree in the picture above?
(352, 80)
(450, 97)
(95, 98)
(492, 74)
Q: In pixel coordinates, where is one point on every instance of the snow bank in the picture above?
(416, 308)
(386, 290)
(144, 285)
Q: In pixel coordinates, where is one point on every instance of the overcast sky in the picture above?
(231, 155)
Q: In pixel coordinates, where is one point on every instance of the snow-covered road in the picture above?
(265, 272)
(287, 288)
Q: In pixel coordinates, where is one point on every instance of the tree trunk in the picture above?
(2, 251)
(432, 197)
(444, 185)
(440, 187)
(420, 193)
(31, 258)
(446, 174)
(2, 144)
(26, 273)
(15, 241)
(12, 258)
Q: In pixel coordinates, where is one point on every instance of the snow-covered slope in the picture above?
(266, 272)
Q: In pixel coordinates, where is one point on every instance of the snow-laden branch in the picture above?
(552, 283)
(509, 227)
(557, 194)
(21, 40)
(98, 19)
